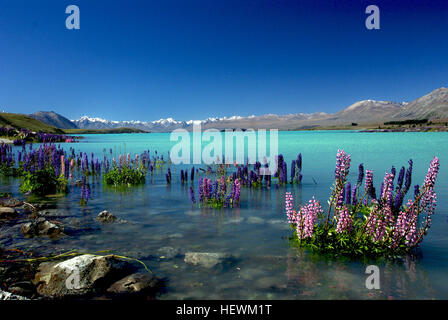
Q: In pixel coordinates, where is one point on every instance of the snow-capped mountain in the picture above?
(433, 105)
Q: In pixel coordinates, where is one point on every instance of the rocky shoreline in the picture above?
(72, 275)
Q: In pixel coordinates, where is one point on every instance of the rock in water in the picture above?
(106, 216)
(80, 276)
(205, 259)
(7, 213)
(41, 227)
(137, 283)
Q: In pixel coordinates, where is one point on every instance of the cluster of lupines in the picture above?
(7, 160)
(52, 138)
(259, 174)
(367, 224)
(85, 190)
(303, 220)
(216, 193)
(296, 169)
(126, 172)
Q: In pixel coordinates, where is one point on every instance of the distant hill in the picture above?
(21, 121)
(54, 119)
(434, 105)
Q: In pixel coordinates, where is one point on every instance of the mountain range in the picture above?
(433, 105)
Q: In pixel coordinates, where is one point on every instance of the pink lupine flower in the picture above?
(387, 194)
(62, 165)
(342, 165)
(306, 219)
(344, 220)
(431, 176)
(289, 205)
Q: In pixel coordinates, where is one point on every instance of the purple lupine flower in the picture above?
(408, 178)
(193, 200)
(284, 173)
(393, 171)
(416, 191)
(398, 201)
(293, 170)
(299, 162)
(348, 193)
(236, 194)
(368, 185)
(192, 174)
(182, 176)
(400, 177)
(341, 198)
(354, 198)
(360, 174)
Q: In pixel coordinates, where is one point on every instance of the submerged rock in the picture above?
(206, 259)
(255, 220)
(11, 202)
(8, 213)
(137, 283)
(106, 216)
(80, 276)
(168, 252)
(41, 227)
(9, 296)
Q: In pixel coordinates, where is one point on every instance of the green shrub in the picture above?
(43, 182)
(125, 176)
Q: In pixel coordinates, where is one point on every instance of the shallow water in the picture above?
(255, 234)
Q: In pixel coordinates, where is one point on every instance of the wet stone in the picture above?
(80, 276)
(11, 202)
(8, 213)
(168, 252)
(137, 283)
(41, 227)
(206, 259)
(106, 217)
(255, 220)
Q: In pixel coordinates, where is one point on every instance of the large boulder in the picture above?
(8, 213)
(136, 284)
(206, 259)
(41, 227)
(79, 276)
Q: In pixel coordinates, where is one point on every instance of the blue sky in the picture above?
(191, 59)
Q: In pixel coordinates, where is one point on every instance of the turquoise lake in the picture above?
(163, 224)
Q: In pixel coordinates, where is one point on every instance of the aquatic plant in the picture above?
(366, 225)
(214, 193)
(126, 173)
